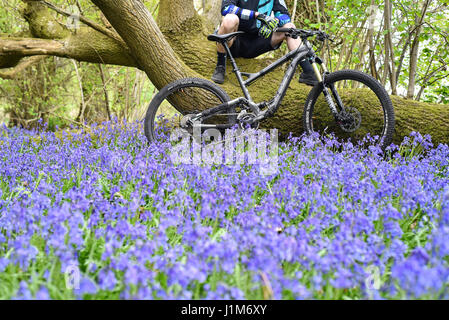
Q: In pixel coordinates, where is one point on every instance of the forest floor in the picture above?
(104, 214)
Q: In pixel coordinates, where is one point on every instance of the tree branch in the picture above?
(13, 72)
(31, 47)
(175, 15)
(85, 46)
(111, 34)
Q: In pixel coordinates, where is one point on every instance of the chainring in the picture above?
(246, 119)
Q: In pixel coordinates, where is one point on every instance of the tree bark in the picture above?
(86, 46)
(414, 50)
(213, 12)
(389, 49)
(134, 23)
(172, 51)
(11, 73)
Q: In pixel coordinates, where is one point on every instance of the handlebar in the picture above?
(304, 34)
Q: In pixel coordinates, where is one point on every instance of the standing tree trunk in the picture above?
(389, 48)
(414, 50)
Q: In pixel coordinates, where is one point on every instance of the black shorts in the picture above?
(250, 46)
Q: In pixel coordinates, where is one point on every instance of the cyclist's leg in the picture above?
(229, 24)
(278, 37)
(307, 76)
(250, 46)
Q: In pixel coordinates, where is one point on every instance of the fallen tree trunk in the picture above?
(176, 47)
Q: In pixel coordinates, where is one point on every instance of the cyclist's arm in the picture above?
(229, 6)
(281, 12)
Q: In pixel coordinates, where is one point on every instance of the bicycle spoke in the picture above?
(178, 103)
(364, 109)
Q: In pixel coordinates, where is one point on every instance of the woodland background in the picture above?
(403, 43)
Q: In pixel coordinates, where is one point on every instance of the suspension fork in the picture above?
(327, 95)
(317, 71)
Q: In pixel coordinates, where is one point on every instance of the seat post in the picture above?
(237, 71)
(228, 52)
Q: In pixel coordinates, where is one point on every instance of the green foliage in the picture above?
(52, 91)
(350, 21)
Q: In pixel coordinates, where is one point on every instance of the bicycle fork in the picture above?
(328, 95)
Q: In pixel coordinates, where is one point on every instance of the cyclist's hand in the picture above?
(269, 25)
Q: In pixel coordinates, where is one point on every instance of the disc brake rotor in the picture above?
(350, 119)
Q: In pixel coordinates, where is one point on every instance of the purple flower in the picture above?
(124, 217)
(23, 293)
(42, 294)
(3, 264)
(107, 280)
(86, 286)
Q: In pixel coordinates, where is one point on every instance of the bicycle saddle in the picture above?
(223, 37)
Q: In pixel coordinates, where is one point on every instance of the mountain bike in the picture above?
(347, 103)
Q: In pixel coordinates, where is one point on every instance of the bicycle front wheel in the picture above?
(364, 106)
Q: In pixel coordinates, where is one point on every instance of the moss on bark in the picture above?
(42, 24)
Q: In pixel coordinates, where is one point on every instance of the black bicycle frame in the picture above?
(295, 55)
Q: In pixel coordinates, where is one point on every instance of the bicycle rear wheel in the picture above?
(180, 98)
(368, 108)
